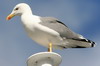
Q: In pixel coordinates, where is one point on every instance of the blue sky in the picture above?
(82, 16)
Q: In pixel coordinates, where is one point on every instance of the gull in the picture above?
(48, 31)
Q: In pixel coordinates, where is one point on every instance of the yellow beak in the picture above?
(10, 16)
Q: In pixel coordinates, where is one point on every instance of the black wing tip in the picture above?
(92, 43)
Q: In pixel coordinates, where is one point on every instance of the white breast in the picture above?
(39, 33)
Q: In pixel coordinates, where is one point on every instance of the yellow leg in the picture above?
(50, 47)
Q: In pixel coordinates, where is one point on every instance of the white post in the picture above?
(44, 59)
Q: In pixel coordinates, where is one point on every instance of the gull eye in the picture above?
(16, 8)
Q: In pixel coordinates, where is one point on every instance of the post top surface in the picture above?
(43, 56)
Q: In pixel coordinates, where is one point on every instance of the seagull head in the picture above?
(19, 10)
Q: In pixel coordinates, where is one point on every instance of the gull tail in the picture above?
(79, 43)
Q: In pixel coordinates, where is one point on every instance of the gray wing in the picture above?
(60, 27)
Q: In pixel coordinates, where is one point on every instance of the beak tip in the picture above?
(10, 16)
(7, 18)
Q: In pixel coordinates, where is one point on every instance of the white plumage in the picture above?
(45, 30)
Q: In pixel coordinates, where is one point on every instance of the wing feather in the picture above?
(60, 27)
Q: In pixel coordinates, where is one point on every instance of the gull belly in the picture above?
(43, 35)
